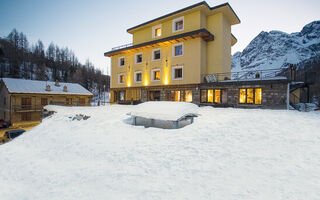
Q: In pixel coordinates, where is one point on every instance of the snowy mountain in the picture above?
(276, 49)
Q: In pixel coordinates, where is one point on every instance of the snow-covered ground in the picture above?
(225, 154)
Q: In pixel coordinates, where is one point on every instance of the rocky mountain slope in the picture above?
(276, 49)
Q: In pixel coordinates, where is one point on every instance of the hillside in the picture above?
(276, 49)
(241, 154)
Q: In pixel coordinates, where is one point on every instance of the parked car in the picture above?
(4, 124)
(10, 135)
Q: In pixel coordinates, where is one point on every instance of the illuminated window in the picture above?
(188, 95)
(177, 50)
(210, 96)
(204, 95)
(156, 54)
(178, 24)
(258, 96)
(121, 78)
(138, 58)
(217, 96)
(250, 95)
(156, 31)
(155, 75)
(121, 61)
(138, 77)
(177, 96)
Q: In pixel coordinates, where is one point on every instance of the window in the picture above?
(44, 101)
(82, 101)
(26, 103)
(121, 78)
(26, 116)
(250, 95)
(156, 31)
(153, 95)
(69, 101)
(121, 61)
(177, 73)
(178, 24)
(188, 95)
(212, 96)
(155, 75)
(177, 50)
(156, 54)
(138, 77)
(138, 58)
(217, 96)
(121, 95)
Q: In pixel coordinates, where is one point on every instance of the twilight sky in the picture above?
(90, 28)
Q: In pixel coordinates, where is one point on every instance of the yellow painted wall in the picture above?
(191, 22)
(191, 60)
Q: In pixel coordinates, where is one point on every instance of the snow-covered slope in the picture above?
(225, 154)
(275, 49)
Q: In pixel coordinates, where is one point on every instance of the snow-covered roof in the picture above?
(164, 110)
(32, 86)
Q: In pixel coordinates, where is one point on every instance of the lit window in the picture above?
(217, 96)
(210, 96)
(138, 58)
(121, 78)
(178, 24)
(155, 75)
(156, 31)
(156, 54)
(188, 95)
(177, 73)
(138, 77)
(177, 50)
(250, 96)
(177, 96)
(258, 96)
(121, 61)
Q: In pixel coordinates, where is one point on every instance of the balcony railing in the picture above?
(122, 46)
(246, 75)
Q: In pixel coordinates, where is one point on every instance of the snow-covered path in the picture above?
(226, 154)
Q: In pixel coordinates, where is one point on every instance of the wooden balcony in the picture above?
(27, 108)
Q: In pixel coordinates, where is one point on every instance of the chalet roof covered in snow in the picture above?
(32, 86)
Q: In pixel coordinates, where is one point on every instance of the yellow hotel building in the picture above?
(170, 55)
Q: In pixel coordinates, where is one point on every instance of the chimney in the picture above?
(65, 89)
(48, 88)
(57, 83)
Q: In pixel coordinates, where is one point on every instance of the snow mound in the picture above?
(165, 110)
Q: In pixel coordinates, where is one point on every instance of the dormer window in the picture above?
(157, 31)
(178, 24)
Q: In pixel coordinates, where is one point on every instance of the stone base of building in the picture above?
(270, 94)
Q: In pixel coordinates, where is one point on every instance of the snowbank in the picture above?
(225, 154)
(164, 110)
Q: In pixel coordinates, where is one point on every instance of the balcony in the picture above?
(27, 108)
(121, 47)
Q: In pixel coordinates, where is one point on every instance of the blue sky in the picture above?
(92, 27)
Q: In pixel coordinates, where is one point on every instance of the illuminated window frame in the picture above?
(154, 30)
(254, 96)
(152, 74)
(124, 78)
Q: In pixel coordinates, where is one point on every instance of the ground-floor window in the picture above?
(211, 96)
(250, 95)
(180, 95)
(153, 95)
(44, 101)
(82, 101)
(26, 116)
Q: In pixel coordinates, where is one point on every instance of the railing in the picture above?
(122, 46)
(69, 103)
(245, 75)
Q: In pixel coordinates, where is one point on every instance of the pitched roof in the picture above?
(32, 86)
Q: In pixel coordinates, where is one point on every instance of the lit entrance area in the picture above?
(179, 95)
